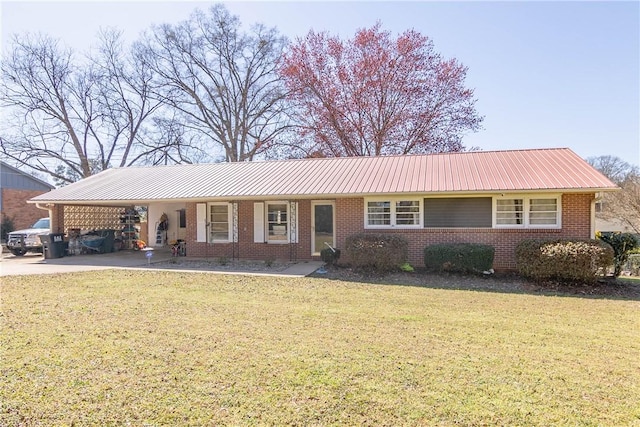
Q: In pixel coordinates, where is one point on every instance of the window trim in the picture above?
(229, 222)
(526, 201)
(393, 222)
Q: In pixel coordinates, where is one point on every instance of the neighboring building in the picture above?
(16, 187)
(619, 212)
(290, 209)
(612, 224)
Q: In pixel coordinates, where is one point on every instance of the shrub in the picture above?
(407, 268)
(380, 252)
(6, 227)
(459, 257)
(330, 256)
(633, 264)
(622, 244)
(563, 260)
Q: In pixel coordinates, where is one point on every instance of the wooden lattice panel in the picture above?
(92, 217)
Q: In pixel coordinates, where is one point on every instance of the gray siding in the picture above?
(458, 212)
(15, 179)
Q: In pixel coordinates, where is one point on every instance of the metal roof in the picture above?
(558, 169)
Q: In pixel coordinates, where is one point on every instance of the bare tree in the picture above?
(621, 206)
(614, 168)
(221, 79)
(71, 117)
(170, 142)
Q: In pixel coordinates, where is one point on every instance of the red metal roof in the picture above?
(557, 169)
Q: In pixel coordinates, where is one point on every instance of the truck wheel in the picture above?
(18, 252)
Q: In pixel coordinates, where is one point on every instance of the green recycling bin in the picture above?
(54, 245)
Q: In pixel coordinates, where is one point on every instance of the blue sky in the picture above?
(546, 74)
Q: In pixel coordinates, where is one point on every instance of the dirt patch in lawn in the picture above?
(498, 282)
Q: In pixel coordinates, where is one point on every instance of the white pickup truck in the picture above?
(20, 242)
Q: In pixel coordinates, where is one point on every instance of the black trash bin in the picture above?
(54, 245)
(109, 238)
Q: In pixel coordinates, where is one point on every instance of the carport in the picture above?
(128, 224)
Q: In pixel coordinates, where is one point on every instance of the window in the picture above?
(543, 211)
(528, 212)
(219, 222)
(379, 213)
(182, 213)
(408, 212)
(402, 213)
(510, 212)
(599, 206)
(277, 222)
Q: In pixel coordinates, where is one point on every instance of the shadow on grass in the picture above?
(620, 289)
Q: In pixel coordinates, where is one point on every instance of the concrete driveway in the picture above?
(11, 265)
(36, 264)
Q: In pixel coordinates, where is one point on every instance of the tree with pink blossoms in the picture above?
(376, 94)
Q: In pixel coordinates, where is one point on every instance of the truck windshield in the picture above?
(42, 223)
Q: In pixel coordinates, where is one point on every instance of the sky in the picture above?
(545, 74)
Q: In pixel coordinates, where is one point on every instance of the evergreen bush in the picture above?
(379, 252)
(459, 257)
(564, 260)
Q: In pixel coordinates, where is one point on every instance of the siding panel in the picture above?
(458, 212)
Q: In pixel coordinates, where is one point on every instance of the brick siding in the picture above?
(246, 248)
(576, 217)
(15, 207)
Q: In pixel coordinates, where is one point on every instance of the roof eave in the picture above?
(130, 202)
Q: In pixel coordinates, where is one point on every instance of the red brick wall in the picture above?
(15, 206)
(246, 248)
(57, 219)
(576, 217)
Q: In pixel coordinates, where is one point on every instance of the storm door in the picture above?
(322, 226)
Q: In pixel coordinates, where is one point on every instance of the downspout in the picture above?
(43, 208)
(47, 207)
(597, 198)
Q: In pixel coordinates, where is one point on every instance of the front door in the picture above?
(322, 226)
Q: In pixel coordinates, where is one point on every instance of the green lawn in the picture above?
(170, 348)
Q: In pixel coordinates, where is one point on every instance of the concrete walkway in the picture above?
(11, 265)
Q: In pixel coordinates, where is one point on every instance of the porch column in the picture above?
(56, 216)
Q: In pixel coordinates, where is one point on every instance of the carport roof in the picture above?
(556, 169)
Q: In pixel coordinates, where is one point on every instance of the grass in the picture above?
(170, 348)
(629, 279)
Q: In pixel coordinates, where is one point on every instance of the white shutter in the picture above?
(258, 222)
(294, 222)
(201, 222)
(234, 221)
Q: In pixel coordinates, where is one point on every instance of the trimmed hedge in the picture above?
(459, 257)
(380, 252)
(563, 259)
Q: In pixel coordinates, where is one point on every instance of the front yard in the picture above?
(174, 348)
